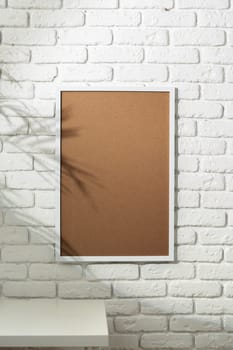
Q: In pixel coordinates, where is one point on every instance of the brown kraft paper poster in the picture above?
(114, 173)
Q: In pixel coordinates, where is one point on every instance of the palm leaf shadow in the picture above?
(72, 168)
(82, 178)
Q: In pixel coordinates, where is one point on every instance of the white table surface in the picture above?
(52, 322)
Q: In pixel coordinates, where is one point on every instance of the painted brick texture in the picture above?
(187, 44)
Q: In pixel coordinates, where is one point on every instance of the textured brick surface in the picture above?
(187, 44)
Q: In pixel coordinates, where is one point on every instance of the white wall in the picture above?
(184, 43)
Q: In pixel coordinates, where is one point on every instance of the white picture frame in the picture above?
(170, 256)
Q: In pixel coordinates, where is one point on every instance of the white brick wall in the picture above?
(184, 43)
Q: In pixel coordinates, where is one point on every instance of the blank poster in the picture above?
(114, 185)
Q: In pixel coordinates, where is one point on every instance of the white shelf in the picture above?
(53, 322)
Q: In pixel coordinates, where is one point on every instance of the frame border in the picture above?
(166, 258)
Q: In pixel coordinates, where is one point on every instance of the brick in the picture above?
(57, 18)
(171, 55)
(55, 272)
(85, 73)
(230, 146)
(198, 253)
(13, 235)
(219, 306)
(200, 181)
(186, 127)
(187, 91)
(110, 271)
(34, 4)
(14, 55)
(166, 271)
(84, 36)
(217, 55)
(228, 323)
(187, 163)
(42, 235)
(121, 341)
(228, 289)
(84, 290)
(46, 91)
(218, 200)
(201, 217)
(149, 72)
(217, 92)
(215, 272)
(198, 37)
(216, 236)
(15, 161)
(169, 19)
(187, 199)
(91, 4)
(215, 19)
(201, 146)
(147, 4)
(113, 18)
(31, 108)
(195, 289)
(195, 323)
(16, 199)
(28, 253)
(219, 164)
(186, 235)
(199, 109)
(44, 162)
(29, 289)
(141, 324)
(228, 254)
(13, 18)
(214, 341)
(42, 126)
(19, 36)
(13, 271)
(115, 54)
(203, 4)
(196, 73)
(220, 272)
(9, 89)
(228, 109)
(45, 199)
(215, 128)
(13, 126)
(229, 182)
(59, 54)
(30, 216)
(230, 37)
(29, 72)
(121, 307)
(229, 74)
(110, 324)
(30, 180)
(30, 144)
(161, 306)
(166, 340)
(139, 289)
(140, 37)
(2, 181)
